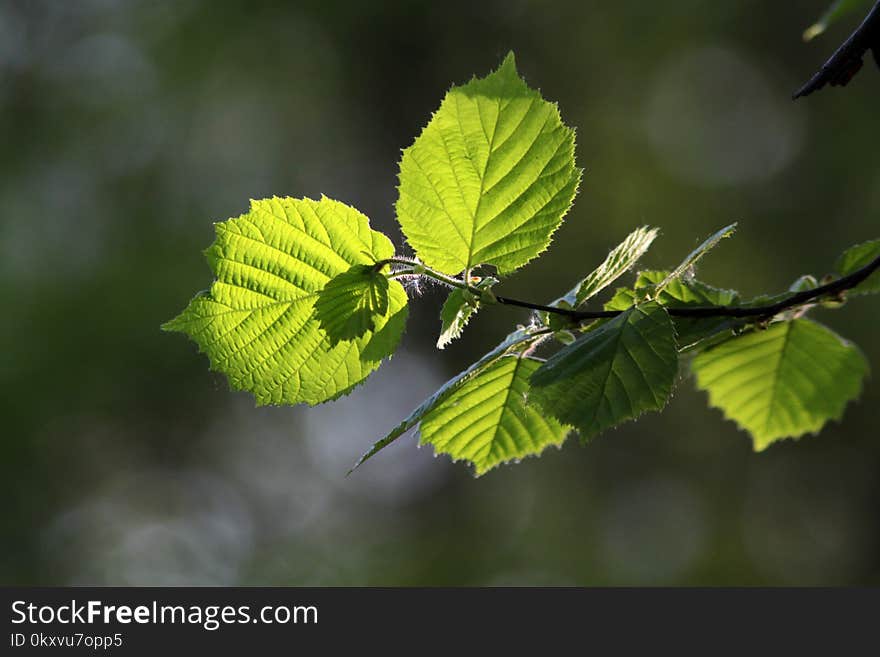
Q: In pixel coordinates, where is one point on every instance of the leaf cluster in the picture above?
(307, 300)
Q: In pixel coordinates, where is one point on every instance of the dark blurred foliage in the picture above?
(127, 127)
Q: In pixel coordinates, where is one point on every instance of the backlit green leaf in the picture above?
(782, 382)
(514, 343)
(681, 294)
(457, 311)
(257, 325)
(623, 257)
(835, 12)
(490, 177)
(488, 420)
(612, 374)
(694, 256)
(857, 257)
(804, 283)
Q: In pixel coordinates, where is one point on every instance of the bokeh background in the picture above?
(127, 127)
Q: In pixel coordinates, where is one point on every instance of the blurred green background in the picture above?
(127, 127)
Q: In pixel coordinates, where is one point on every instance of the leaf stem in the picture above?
(414, 267)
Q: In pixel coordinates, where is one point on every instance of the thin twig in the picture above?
(847, 59)
(798, 299)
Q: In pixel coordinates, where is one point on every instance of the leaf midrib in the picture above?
(774, 385)
(491, 145)
(607, 377)
(504, 409)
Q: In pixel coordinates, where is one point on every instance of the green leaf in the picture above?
(692, 293)
(564, 337)
(490, 177)
(514, 343)
(623, 257)
(350, 303)
(488, 420)
(804, 283)
(558, 322)
(782, 382)
(612, 374)
(459, 307)
(800, 284)
(694, 256)
(257, 323)
(857, 257)
(835, 12)
(677, 293)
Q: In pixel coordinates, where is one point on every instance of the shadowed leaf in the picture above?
(612, 374)
(350, 303)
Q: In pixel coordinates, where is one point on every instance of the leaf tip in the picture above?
(760, 445)
(173, 325)
(813, 31)
(509, 61)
